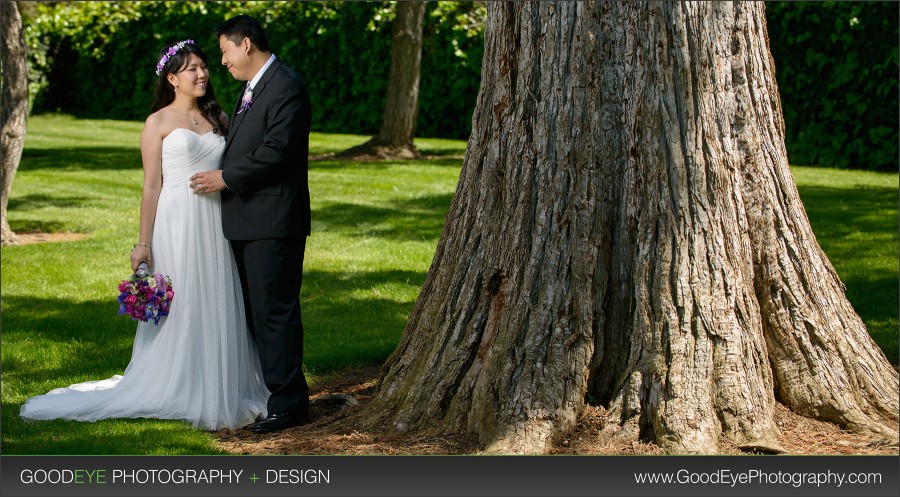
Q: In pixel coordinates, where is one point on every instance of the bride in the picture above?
(200, 363)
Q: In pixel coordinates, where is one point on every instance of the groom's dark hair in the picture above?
(243, 26)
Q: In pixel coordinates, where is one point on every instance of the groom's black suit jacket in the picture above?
(265, 161)
(265, 214)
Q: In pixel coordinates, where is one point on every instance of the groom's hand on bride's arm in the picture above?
(207, 182)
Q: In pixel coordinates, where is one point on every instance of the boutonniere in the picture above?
(246, 101)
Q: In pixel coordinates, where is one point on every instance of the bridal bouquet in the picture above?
(146, 297)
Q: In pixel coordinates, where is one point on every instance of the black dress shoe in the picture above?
(278, 421)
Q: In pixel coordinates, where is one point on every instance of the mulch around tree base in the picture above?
(799, 435)
(323, 436)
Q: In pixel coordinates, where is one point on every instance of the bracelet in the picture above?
(141, 244)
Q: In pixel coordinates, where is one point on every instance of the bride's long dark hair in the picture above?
(165, 92)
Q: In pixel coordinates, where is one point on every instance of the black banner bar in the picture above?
(469, 476)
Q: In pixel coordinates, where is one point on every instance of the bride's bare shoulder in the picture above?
(159, 124)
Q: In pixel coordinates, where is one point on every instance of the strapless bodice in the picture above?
(185, 153)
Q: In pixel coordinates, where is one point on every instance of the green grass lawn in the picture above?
(854, 215)
(375, 228)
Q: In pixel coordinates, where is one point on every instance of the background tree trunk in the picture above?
(626, 229)
(13, 107)
(398, 124)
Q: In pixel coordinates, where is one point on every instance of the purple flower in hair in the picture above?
(169, 53)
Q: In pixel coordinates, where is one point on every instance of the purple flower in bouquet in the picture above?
(146, 298)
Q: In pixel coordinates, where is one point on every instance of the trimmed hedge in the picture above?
(836, 65)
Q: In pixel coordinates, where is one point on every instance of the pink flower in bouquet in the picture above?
(146, 298)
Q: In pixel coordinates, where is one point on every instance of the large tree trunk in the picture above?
(626, 229)
(13, 107)
(398, 124)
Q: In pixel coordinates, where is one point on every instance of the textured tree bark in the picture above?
(398, 123)
(626, 230)
(13, 107)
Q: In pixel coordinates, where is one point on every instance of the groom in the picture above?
(265, 210)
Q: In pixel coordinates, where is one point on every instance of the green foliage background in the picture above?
(97, 59)
(836, 63)
(837, 68)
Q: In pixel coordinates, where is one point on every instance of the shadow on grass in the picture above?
(350, 318)
(449, 162)
(41, 200)
(844, 220)
(837, 212)
(332, 164)
(51, 343)
(81, 158)
(37, 201)
(874, 297)
(99, 339)
(105, 437)
(22, 226)
(413, 219)
(355, 318)
(452, 151)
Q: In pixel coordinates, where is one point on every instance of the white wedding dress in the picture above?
(200, 364)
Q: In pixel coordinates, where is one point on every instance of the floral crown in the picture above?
(169, 53)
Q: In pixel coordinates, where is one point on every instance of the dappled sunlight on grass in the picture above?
(47, 338)
(412, 219)
(375, 227)
(320, 143)
(105, 437)
(353, 318)
(854, 215)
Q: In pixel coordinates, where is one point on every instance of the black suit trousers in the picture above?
(271, 272)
